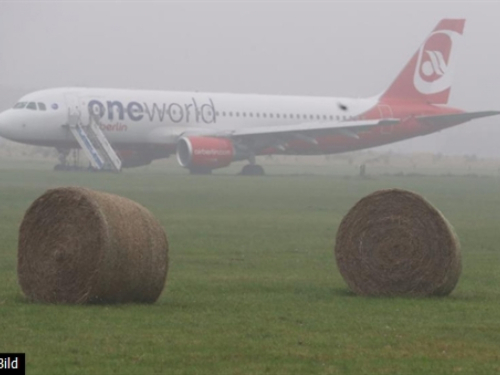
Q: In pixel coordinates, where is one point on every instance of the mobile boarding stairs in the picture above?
(93, 142)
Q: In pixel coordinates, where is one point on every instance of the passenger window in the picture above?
(31, 105)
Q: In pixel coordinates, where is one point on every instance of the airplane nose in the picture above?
(6, 127)
(3, 131)
(2, 127)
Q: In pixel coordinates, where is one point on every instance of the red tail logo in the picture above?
(429, 74)
(434, 57)
(434, 71)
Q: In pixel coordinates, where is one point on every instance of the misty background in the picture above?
(334, 48)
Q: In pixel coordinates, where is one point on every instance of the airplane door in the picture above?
(77, 111)
(386, 112)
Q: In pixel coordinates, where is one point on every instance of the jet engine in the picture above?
(206, 152)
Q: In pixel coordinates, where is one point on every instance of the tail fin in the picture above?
(428, 75)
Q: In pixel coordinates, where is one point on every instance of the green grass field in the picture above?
(253, 286)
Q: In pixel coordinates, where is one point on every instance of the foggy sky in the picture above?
(331, 48)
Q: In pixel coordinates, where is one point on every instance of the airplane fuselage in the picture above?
(137, 117)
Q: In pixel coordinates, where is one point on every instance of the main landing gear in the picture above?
(252, 170)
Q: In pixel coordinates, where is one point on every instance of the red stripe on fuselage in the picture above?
(408, 127)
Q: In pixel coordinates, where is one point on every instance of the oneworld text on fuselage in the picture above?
(192, 111)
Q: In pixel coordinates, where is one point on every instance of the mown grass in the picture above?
(253, 287)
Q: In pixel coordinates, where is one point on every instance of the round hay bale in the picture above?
(82, 246)
(395, 243)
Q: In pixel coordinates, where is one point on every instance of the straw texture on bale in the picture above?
(82, 246)
(395, 243)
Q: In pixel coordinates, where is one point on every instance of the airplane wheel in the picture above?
(252, 170)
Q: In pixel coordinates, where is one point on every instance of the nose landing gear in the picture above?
(64, 165)
(63, 159)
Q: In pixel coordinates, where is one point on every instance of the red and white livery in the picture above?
(212, 130)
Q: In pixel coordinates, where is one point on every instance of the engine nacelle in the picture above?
(205, 152)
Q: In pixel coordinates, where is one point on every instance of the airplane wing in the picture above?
(264, 136)
(306, 131)
(456, 118)
(309, 129)
(258, 138)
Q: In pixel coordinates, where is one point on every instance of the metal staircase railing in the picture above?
(94, 143)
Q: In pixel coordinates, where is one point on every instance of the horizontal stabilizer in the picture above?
(456, 118)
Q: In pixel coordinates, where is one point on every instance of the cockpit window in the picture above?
(31, 105)
(20, 105)
(41, 106)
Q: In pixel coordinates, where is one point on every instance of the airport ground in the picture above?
(253, 286)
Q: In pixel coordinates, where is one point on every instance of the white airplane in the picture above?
(127, 128)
